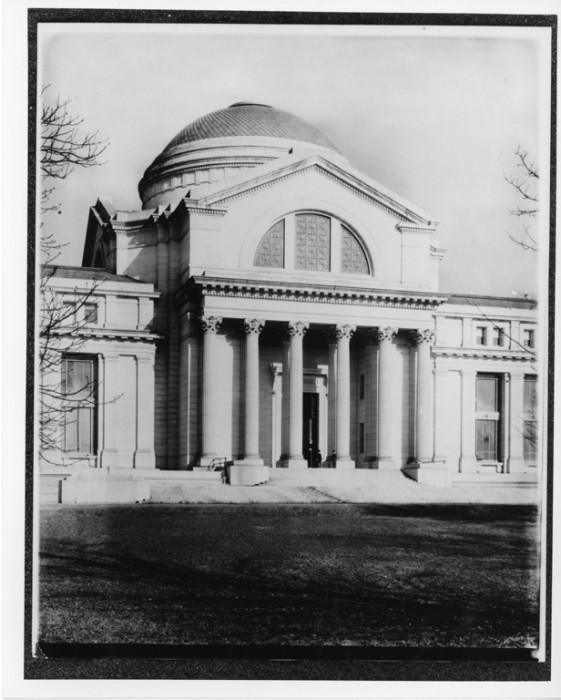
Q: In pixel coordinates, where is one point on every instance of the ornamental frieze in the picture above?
(319, 297)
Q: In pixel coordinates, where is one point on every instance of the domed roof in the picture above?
(248, 119)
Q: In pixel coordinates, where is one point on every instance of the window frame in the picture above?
(74, 414)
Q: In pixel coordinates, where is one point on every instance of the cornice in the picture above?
(328, 169)
(108, 334)
(314, 293)
(487, 354)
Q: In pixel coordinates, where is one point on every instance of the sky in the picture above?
(434, 114)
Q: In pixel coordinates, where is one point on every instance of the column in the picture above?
(285, 404)
(424, 340)
(212, 391)
(343, 333)
(387, 392)
(296, 331)
(252, 330)
(331, 397)
(144, 455)
(516, 456)
(467, 458)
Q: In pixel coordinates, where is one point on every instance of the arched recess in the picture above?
(267, 219)
(99, 257)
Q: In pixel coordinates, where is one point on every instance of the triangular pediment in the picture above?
(337, 169)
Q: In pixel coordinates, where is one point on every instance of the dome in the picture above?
(249, 119)
(221, 144)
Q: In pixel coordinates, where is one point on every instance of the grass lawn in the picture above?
(375, 575)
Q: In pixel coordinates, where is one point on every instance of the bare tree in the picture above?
(524, 184)
(64, 146)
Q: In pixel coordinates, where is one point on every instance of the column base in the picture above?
(516, 465)
(382, 463)
(109, 458)
(144, 460)
(249, 462)
(429, 473)
(292, 463)
(467, 464)
(344, 463)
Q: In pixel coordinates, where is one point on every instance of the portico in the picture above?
(326, 353)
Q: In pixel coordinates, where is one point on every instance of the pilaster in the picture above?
(144, 457)
(516, 451)
(467, 455)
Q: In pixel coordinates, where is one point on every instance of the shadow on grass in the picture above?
(413, 575)
(480, 512)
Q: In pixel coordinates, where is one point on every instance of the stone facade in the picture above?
(288, 308)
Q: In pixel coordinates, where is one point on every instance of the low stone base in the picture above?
(429, 473)
(243, 473)
(344, 463)
(76, 490)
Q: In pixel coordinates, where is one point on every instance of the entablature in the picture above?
(314, 293)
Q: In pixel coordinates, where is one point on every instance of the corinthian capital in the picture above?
(253, 325)
(344, 330)
(211, 324)
(422, 336)
(297, 328)
(385, 334)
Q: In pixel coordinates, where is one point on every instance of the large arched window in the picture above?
(270, 252)
(353, 258)
(312, 241)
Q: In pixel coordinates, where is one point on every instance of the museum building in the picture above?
(272, 307)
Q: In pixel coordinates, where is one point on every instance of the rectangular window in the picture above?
(481, 335)
(79, 389)
(68, 313)
(361, 438)
(361, 386)
(529, 422)
(528, 338)
(487, 417)
(90, 313)
(498, 335)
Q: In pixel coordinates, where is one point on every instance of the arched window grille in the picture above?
(270, 252)
(353, 257)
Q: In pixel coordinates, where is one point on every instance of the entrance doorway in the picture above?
(488, 418)
(310, 431)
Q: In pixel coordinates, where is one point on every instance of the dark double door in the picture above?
(310, 432)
